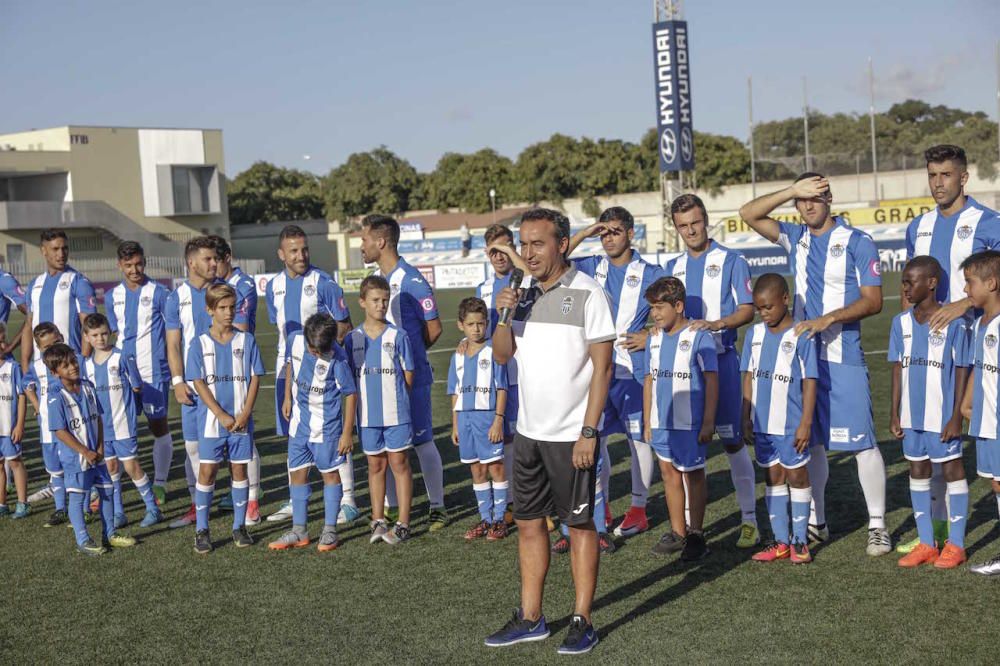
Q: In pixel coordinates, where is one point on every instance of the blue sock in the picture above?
(145, 489)
(203, 504)
(333, 495)
(920, 497)
(776, 500)
(564, 530)
(300, 504)
(119, 504)
(241, 495)
(599, 523)
(958, 511)
(107, 511)
(484, 498)
(58, 490)
(499, 499)
(801, 500)
(76, 517)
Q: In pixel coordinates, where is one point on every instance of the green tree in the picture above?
(376, 181)
(464, 181)
(267, 193)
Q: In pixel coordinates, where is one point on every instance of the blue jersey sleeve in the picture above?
(11, 289)
(194, 368)
(242, 314)
(288, 345)
(83, 291)
(708, 357)
(30, 379)
(109, 310)
(272, 311)
(418, 288)
(746, 354)
(500, 376)
(587, 265)
(404, 351)
(255, 363)
(172, 312)
(911, 240)
(808, 351)
(452, 377)
(961, 349)
(333, 297)
(789, 234)
(342, 373)
(895, 340)
(866, 261)
(132, 370)
(987, 234)
(742, 287)
(17, 378)
(57, 412)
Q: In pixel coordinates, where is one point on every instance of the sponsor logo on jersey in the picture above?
(841, 435)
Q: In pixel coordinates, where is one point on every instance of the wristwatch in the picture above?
(588, 432)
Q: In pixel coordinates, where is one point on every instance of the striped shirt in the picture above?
(985, 379)
(10, 389)
(226, 370)
(777, 363)
(292, 300)
(475, 380)
(378, 366)
(138, 316)
(411, 303)
(246, 297)
(78, 413)
(61, 299)
(11, 293)
(677, 365)
(113, 382)
(318, 386)
(40, 380)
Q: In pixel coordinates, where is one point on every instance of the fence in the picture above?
(105, 269)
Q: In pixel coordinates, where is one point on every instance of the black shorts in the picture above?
(546, 482)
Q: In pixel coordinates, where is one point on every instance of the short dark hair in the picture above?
(95, 320)
(770, 282)
(374, 282)
(984, 265)
(813, 174)
(617, 213)
(686, 202)
(198, 243)
(558, 220)
(52, 234)
(495, 231)
(927, 263)
(666, 290)
(946, 152)
(472, 305)
(128, 249)
(58, 354)
(383, 225)
(320, 332)
(216, 293)
(291, 231)
(222, 249)
(43, 329)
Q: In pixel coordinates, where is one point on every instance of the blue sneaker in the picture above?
(518, 630)
(581, 637)
(22, 511)
(226, 502)
(121, 520)
(151, 518)
(348, 514)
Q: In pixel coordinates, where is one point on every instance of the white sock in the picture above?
(939, 493)
(687, 500)
(191, 463)
(253, 475)
(819, 474)
(871, 474)
(742, 474)
(642, 471)
(433, 471)
(390, 488)
(605, 475)
(508, 469)
(163, 458)
(347, 481)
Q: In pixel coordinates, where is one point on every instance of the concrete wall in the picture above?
(326, 245)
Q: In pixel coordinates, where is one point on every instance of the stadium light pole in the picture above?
(871, 118)
(998, 98)
(753, 163)
(493, 203)
(805, 121)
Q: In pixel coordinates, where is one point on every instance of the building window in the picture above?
(192, 187)
(85, 243)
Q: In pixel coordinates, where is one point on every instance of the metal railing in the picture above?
(105, 269)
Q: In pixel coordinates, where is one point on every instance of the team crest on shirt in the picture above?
(309, 290)
(321, 368)
(713, 271)
(990, 340)
(936, 339)
(146, 301)
(484, 363)
(632, 281)
(112, 371)
(567, 305)
(394, 288)
(837, 250)
(963, 232)
(787, 347)
(64, 285)
(5, 377)
(685, 345)
(389, 347)
(238, 353)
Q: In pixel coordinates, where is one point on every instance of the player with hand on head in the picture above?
(13, 406)
(39, 382)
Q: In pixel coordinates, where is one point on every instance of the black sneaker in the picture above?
(670, 542)
(606, 544)
(58, 517)
(518, 630)
(202, 542)
(694, 548)
(581, 637)
(241, 538)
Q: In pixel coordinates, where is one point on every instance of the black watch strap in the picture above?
(588, 432)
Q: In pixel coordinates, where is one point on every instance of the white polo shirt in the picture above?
(552, 332)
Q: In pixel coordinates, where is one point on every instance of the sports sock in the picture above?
(58, 490)
(145, 489)
(333, 495)
(253, 475)
(107, 510)
(347, 482)
(801, 499)
(75, 511)
(116, 491)
(499, 499)
(241, 495)
(484, 500)
(390, 488)
(776, 499)
(191, 463)
(687, 501)
(163, 458)
(998, 503)
(939, 493)
(920, 497)
(433, 471)
(958, 510)
(564, 530)
(742, 474)
(871, 474)
(202, 504)
(819, 473)
(300, 506)
(508, 470)
(642, 471)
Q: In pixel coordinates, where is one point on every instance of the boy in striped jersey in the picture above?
(381, 361)
(225, 366)
(12, 412)
(680, 397)
(979, 404)
(37, 383)
(929, 373)
(779, 399)
(116, 380)
(317, 378)
(478, 389)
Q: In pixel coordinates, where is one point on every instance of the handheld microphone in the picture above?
(516, 277)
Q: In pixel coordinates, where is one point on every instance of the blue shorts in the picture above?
(303, 454)
(280, 422)
(421, 414)
(623, 409)
(771, 450)
(81, 481)
(728, 421)
(122, 449)
(391, 439)
(844, 419)
(189, 420)
(680, 448)
(474, 445)
(8, 449)
(988, 458)
(152, 400)
(510, 412)
(922, 445)
(50, 456)
(238, 447)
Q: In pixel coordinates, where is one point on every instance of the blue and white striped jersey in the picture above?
(476, 380)
(11, 292)
(411, 303)
(61, 299)
(677, 364)
(185, 311)
(951, 239)
(226, 369)
(79, 413)
(715, 284)
(378, 365)
(625, 287)
(139, 316)
(985, 379)
(40, 380)
(246, 297)
(488, 290)
(10, 388)
(318, 386)
(292, 300)
(777, 363)
(113, 381)
(829, 271)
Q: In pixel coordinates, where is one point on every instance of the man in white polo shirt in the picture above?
(561, 335)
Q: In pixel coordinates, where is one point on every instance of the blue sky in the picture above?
(287, 79)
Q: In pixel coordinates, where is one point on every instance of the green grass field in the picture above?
(433, 600)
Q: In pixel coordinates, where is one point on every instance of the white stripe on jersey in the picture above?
(681, 382)
(628, 304)
(905, 417)
(395, 312)
(144, 331)
(186, 316)
(60, 303)
(655, 345)
(42, 393)
(7, 388)
(357, 352)
(115, 366)
(308, 305)
(390, 408)
(315, 398)
(484, 377)
(77, 424)
(988, 421)
(961, 248)
(777, 416)
(834, 279)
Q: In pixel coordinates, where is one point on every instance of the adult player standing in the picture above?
(11, 292)
(838, 282)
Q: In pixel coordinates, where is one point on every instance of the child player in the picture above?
(381, 361)
(979, 403)
(117, 382)
(320, 434)
(12, 410)
(478, 389)
(225, 366)
(37, 383)
(74, 416)
(929, 374)
(779, 400)
(680, 396)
